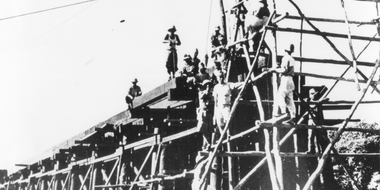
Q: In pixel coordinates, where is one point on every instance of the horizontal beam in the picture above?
(323, 33)
(112, 186)
(323, 127)
(332, 20)
(332, 61)
(289, 154)
(332, 77)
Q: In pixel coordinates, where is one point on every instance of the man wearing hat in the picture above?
(172, 40)
(257, 16)
(223, 92)
(133, 92)
(285, 91)
(215, 40)
(189, 70)
(204, 113)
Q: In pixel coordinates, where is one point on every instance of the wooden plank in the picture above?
(331, 61)
(333, 20)
(332, 77)
(154, 94)
(330, 34)
(288, 154)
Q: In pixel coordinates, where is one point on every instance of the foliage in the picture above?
(363, 169)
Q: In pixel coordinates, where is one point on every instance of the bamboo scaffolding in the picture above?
(271, 164)
(261, 163)
(338, 133)
(351, 46)
(333, 78)
(337, 35)
(329, 42)
(330, 20)
(233, 109)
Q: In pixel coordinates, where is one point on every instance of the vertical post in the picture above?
(162, 164)
(94, 177)
(351, 47)
(231, 166)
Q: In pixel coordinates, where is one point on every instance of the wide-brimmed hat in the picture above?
(172, 29)
(290, 48)
(205, 82)
(134, 80)
(186, 57)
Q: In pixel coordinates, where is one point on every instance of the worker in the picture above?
(189, 71)
(221, 53)
(172, 62)
(256, 17)
(285, 91)
(222, 93)
(133, 92)
(315, 117)
(202, 75)
(215, 42)
(204, 111)
(196, 61)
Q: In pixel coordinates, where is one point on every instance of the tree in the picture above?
(364, 169)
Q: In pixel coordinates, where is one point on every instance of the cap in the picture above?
(134, 80)
(206, 81)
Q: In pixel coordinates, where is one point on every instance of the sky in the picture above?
(65, 70)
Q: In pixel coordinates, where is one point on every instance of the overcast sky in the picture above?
(64, 70)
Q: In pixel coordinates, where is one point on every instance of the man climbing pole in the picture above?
(285, 91)
(173, 40)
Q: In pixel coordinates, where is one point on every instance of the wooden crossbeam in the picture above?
(332, 20)
(337, 35)
(288, 154)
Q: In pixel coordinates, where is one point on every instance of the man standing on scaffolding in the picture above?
(172, 61)
(223, 100)
(285, 91)
(257, 15)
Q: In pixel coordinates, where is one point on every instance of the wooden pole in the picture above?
(330, 20)
(318, 32)
(233, 109)
(351, 47)
(329, 42)
(261, 163)
(332, 77)
(271, 165)
(338, 133)
(94, 177)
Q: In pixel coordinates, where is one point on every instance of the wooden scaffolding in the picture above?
(156, 144)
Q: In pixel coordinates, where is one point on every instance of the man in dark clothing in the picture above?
(133, 92)
(215, 42)
(172, 61)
